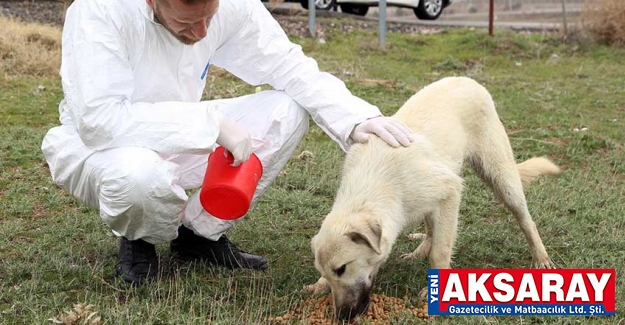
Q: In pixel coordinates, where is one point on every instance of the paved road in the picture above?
(544, 20)
(538, 20)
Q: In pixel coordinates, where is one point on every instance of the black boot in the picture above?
(137, 261)
(221, 252)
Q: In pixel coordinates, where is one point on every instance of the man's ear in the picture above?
(367, 233)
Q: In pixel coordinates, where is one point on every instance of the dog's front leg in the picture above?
(321, 286)
(444, 223)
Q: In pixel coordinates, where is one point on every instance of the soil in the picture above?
(46, 12)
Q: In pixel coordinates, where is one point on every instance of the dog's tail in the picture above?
(534, 167)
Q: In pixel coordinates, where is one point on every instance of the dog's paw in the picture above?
(424, 249)
(423, 294)
(544, 264)
(313, 289)
(416, 236)
(420, 252)
(409, 256)
(321, 286)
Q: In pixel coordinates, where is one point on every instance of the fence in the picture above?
(473, 6)
(532, 2)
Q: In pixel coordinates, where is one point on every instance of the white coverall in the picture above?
(134, 133)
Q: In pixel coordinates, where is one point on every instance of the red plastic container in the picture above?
(227, 191)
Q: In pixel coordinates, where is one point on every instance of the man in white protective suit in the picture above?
(135, 134)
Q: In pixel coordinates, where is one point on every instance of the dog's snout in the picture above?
(349, 312)
(354, 303)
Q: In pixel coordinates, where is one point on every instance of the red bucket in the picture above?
(227, 191)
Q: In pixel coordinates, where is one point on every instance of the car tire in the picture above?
(353, 9)
(319, 4)
(429, 9)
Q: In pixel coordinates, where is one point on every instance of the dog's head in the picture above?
(348, 255)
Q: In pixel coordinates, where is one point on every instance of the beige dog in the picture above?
(383, 190)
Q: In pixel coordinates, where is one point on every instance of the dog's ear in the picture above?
(312, 244)
(368, 233)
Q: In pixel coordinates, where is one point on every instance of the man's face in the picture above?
(187, 22)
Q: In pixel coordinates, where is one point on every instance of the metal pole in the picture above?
(382, 26)
(491, 17)
(311, 18)
(564, 18)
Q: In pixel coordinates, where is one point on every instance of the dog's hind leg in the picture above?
(444, 225)
(426, 244)
(496, 166)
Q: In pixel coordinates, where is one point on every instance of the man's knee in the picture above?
(293, 111)
(128, 184)
(289, 120)
(138, 198)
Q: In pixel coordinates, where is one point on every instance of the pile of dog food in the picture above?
(383, 310)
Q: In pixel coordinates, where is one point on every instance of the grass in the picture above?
(55, 252)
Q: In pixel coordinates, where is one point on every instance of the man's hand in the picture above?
(392, 131)
(236, 140)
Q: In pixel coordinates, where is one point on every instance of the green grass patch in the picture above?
(565, 101)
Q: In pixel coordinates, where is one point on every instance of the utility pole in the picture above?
(564, 19)
(311, 18)
(382, 23)
(491, 17)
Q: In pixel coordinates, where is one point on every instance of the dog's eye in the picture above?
(340, 270)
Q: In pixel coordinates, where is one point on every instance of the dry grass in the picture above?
(606, 20)
(81, 314)
(29, 49)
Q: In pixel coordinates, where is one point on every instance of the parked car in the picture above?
(319, 4)
(424, 9)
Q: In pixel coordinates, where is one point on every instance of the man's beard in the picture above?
(159, 19)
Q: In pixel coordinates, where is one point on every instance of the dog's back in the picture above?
(454, 120)
(453, 114)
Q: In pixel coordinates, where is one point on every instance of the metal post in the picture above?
(311, 18)
(382, 25)
(491, 17)
(564, 18)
